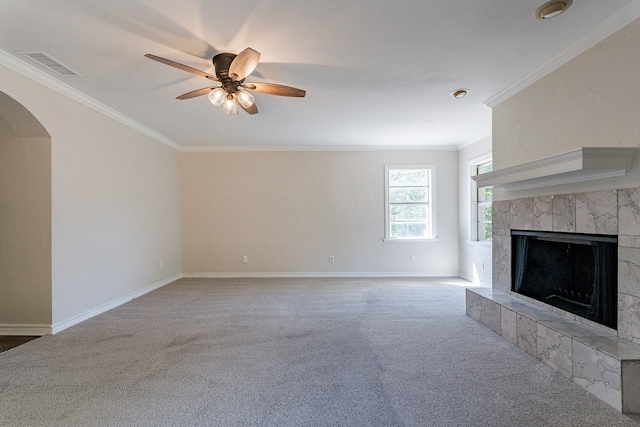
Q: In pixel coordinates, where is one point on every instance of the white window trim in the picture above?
(432, 204)
(473, 193)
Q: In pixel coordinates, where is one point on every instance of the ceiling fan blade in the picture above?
(197, 92)
(181, 66)
(275, 89)
(244, 64)
(253, 109)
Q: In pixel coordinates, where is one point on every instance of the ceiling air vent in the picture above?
(52, 64)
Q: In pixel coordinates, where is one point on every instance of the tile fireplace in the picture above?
(557, 325)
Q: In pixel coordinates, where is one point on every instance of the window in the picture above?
(409, 202)
(482, 199)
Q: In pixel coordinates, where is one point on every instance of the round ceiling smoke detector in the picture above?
(552, 8)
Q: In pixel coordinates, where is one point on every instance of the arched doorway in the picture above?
(25, 222)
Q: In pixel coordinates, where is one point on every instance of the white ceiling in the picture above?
(376, 72)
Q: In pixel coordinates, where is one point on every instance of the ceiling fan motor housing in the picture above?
(222, 62)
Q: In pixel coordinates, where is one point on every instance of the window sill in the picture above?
(390, 240)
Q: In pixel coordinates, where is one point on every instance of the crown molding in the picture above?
(41, 77)
(311, 148)
(615, 22)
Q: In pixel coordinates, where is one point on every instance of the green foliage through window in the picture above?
(484, 206)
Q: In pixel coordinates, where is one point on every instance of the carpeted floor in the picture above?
(289, 352)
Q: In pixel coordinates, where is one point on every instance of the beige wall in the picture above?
(115, 204)
(25, 225)
(592, 101)
(288, 211)
(474, 257)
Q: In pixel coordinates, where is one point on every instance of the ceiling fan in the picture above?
(231, 71)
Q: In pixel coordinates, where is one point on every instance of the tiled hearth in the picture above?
(604, 361)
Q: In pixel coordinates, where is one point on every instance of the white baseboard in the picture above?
(312, 274)
(25, 330)
(61, 326)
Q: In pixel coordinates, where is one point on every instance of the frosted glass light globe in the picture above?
(229, 105)
(245, 98)
(217, 96)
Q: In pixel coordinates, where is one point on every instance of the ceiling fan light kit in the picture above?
(231, 70)
(220, 97)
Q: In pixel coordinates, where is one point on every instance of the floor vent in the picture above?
(52, 64)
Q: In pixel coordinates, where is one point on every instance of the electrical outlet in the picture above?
(161, 265)
(483, 265)
(245, 259)
(412, 259)
(331, 258)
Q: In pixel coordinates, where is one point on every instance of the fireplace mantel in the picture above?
(582, 164)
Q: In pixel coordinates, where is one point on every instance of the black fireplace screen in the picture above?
(574, 272)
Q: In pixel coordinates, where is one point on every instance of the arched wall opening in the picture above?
(25, 222)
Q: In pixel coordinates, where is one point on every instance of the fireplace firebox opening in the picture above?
(577, 273)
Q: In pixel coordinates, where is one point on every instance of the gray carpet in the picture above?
(289, 352)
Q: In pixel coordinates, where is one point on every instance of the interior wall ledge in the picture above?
(582, 164)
